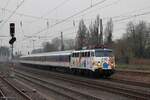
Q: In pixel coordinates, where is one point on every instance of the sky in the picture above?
(32, 16)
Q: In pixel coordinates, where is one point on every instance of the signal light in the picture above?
(12, 29)
(12, 40)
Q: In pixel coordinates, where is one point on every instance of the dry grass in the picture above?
(133, 67)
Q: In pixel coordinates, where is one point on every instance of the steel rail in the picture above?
(135, 83)
(2, 96)
(16, 89)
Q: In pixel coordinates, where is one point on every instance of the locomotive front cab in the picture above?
(104, 59)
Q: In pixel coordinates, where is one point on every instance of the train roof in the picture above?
(49, 54)
(64, 52)
(87, 50)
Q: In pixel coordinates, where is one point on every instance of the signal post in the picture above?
(11, 42)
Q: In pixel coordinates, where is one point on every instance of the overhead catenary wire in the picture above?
(78, 13)
(31, 16)
(59, 22)
(22, 14)
(6, 4)
(113, 3)
(55, 8)
(5, 21)
(131, 16)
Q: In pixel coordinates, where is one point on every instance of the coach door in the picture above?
(88, 59)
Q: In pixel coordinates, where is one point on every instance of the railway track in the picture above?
(106, 86)
(64, 91)
(134, 83)
(2, 96)
(13, 90)
(134, 71)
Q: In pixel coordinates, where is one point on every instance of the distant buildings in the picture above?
(4, 54)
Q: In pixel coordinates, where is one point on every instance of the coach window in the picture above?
(69, 58)
(82, 54)
(76, 54)
(61, 58)
(45, 58)
(34, 58)
(37, 58)
(53, 58)
(42, 58)
(88, 53)
(72, 54)
(92, 54)
(56, 58)
(48, 58)
(65, 58)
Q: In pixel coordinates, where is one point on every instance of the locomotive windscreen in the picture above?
(103, 53)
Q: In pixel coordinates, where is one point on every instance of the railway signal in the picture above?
(12, 29)
(12, 34)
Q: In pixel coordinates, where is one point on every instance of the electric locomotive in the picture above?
(99, 61)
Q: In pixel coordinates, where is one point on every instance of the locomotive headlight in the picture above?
(98, 64)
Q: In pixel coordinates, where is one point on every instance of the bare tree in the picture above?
(108, 32)
(81, 35)
(94, 32)
(69, 44)
(57, 42)
(48, 47)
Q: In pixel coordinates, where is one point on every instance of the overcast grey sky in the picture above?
(41, 9)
